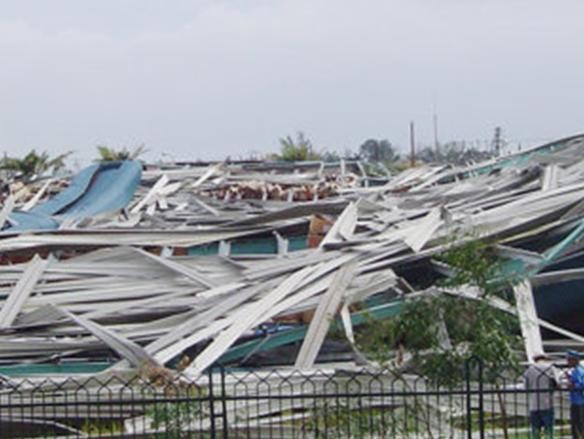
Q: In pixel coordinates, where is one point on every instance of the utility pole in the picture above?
(436, 144)
(412, 145)
(497, 141)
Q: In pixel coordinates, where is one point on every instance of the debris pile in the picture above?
(181, 272)
(260, 190)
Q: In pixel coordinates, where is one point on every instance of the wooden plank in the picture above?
(419, 235)
(199, 320)
(210, 172)
(178, 268)
(34, 200)
(22, 290)
(150, 197)
(135, 354)
(550, 177)
(528, 318)
(325, 311)
(347, 324)
(344, 226)
(6, 210)
(244, 321)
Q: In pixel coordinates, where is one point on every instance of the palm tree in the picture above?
(107, 154)
(33, 164)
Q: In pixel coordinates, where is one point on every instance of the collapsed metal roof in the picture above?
(133, 284)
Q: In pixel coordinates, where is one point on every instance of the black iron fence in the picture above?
(279, 404)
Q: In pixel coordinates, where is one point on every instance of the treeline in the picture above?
(383, 151)
(35, 164)
(297, 148)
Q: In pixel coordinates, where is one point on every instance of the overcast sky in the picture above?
(206, 79)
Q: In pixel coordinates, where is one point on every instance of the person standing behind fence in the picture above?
(576, 386)
(540, 381)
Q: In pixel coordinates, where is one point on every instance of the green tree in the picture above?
(330, 156)
(33, 164)
(373, 150)
(107, 154)
(443, 332)
(446, 335)
(296, 150)
(454, 153)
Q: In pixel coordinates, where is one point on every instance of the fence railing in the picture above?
(275, 404)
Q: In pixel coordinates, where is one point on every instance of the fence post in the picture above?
(224, 404)
(481, 404)
(211, 404)
(468, 399)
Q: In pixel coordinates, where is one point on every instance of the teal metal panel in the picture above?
(50, 369)
(97, 189)
(256, 246)
(275, 340)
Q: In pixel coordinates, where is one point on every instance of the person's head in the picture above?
(573, 358)
(539, 357)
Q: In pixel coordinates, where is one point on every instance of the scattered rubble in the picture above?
(221, 262)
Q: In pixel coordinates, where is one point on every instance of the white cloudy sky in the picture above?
(204, 79)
